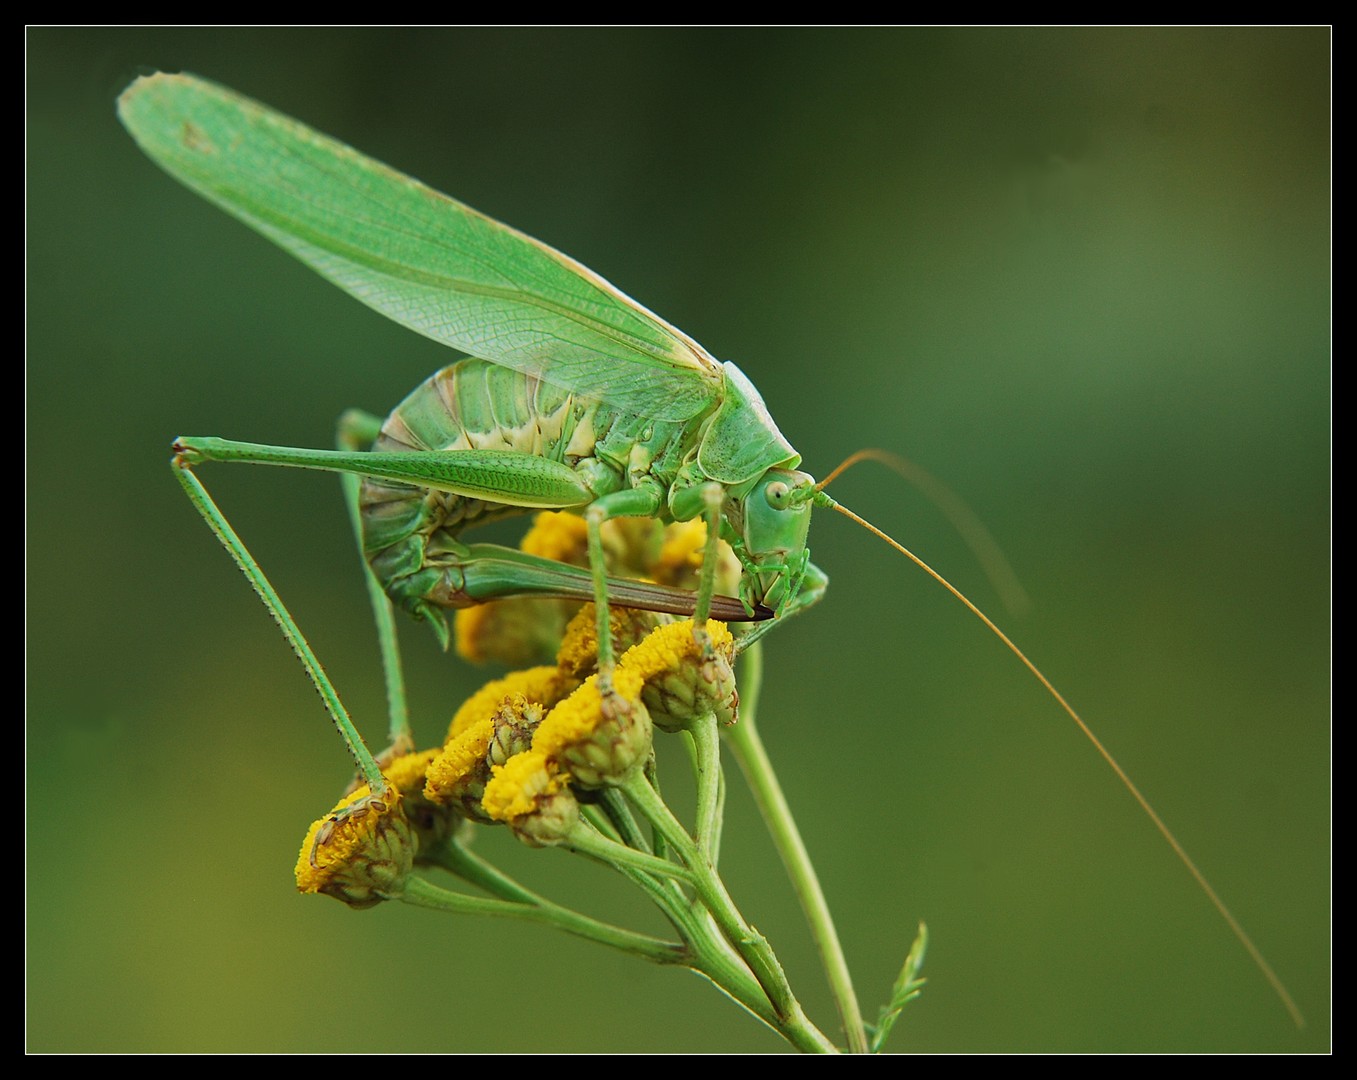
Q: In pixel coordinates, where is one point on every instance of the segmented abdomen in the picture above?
(469, 405)
(410, 533)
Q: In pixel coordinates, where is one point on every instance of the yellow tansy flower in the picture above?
(682, 549)
(578, 654)
(670, 647)
(361, 852)
(532, 797)
(406, 773)
(576, 719)
(463, 756)
(558, 536)
(459, 774)
(543, 684)
(515, 632)
(679, 685)
(517, 785)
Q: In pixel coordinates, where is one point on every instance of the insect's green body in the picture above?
(580, 397)
(411, 534)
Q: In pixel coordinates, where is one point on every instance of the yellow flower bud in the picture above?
(544, 684)
(558, 536)
(433, 824)
(458, 774)
(598, 740)
(551, 822)
(532, 796)
(512, 632)
(578, 654)
(679, 685)
(361, 852)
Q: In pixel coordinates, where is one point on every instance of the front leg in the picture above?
(712, 496)
(633, 502)
(704, 499)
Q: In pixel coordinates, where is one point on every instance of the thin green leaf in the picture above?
(907, 987)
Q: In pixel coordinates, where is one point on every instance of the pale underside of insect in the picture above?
(574, 395)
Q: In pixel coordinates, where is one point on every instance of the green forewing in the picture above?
(417, 256)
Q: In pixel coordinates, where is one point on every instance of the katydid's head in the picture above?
(767, 509)
(773, 520)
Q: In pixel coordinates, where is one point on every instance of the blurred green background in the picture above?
(1083, 276)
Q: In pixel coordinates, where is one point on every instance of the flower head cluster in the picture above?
(520, 746)
(519, 749)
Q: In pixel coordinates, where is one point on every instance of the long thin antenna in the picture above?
(967, 523)
(824, 500)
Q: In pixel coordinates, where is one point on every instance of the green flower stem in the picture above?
(709, 952)
(668, 896)
(719, 824)
(470, 867)
(777, 815)
(601, 820)
(710, 955)
(586, 840)
(619, 813)
(425, 894)
(666, 893)
(715, 959)
(705, 745)
(652, 774)
(703, 951)
(750, 944)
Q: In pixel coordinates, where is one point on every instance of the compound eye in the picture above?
(778, 495)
